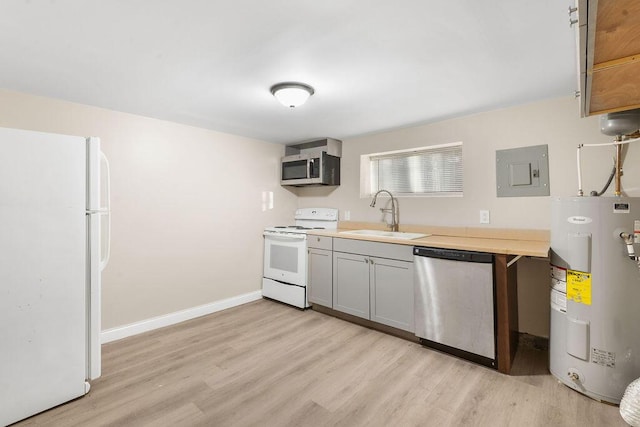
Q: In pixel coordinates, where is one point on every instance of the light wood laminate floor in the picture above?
(267, 364)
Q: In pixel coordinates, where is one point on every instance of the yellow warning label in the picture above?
(579, 287)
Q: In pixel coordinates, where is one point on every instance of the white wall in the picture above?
(554, 122)
(186, 205)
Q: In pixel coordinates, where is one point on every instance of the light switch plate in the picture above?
(484, 217)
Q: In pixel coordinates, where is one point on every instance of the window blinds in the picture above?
(431, 170)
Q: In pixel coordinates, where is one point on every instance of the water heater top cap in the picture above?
(620, 123)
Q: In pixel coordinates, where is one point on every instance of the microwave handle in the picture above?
(309, 168)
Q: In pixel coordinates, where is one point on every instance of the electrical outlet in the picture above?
(484, 217)
(347, 215)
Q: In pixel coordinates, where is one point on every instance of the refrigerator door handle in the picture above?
(104, 259)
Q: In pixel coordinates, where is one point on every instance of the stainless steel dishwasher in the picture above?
(454, 302)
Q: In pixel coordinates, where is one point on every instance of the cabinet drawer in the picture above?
(319, 242)
(377, 249)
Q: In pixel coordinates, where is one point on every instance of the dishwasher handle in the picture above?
(453, 254)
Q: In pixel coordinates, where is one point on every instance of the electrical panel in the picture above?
(522, 172)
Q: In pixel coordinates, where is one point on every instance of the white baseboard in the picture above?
(120, 332)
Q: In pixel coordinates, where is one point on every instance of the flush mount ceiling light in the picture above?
(292, 94)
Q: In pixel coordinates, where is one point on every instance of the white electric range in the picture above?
(285, 255)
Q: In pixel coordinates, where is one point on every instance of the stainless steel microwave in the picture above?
(317, 168)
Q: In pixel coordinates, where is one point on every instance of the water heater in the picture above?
(594, 344)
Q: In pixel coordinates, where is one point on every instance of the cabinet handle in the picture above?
(366, 260)
(572, 10)
(371, 261)
(572, 22)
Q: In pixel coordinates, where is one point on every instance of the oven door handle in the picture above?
(282, 238)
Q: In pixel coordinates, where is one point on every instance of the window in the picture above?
(427, 171)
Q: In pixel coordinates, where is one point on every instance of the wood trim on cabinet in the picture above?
(506, 311)
(615, 63)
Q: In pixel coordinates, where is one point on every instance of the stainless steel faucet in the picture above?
(394, 223)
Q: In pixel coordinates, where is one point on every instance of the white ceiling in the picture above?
(374, 64)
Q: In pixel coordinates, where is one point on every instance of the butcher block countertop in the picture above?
(522, 242)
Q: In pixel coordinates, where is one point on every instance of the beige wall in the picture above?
(186, 205)
(553, 122)
(187, 202)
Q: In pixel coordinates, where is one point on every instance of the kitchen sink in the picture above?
(383, 233)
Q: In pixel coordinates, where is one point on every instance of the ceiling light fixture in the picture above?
(292, 94)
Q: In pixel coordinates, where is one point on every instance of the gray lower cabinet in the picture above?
(373, 287)
(320, 270)
(392, 293)
(320, 278)
(351, 284)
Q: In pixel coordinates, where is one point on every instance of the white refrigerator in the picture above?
(51, 255)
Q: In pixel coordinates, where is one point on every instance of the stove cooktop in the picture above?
(292, 229)
(309, 219)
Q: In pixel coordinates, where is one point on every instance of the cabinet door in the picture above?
(392, 293)
(351, 284)
(320, 285)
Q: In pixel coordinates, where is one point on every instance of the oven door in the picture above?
(285, 257)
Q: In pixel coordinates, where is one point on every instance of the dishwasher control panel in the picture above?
(453, 254)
